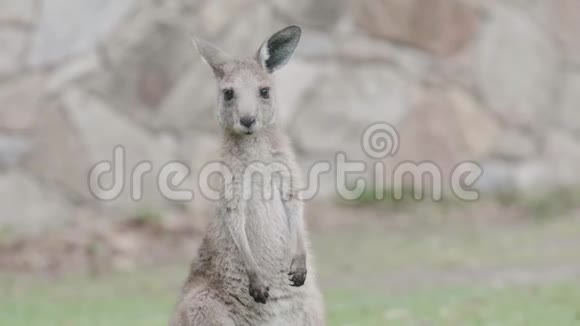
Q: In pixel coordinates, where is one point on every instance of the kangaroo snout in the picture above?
(247, 121)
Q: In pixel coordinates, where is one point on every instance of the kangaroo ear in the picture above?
(278, 49)
(213, 56)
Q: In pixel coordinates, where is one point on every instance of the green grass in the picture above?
(148, 300)
(554, 304)
(124, 299)
(372, 274)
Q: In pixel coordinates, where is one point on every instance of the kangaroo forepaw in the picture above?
(259, 291)
(297, 274)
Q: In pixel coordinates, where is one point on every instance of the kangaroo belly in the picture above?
(268, 234)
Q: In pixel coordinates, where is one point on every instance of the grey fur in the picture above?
(253, 267)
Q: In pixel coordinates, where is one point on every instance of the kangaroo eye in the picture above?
(228, 94)
(265, 92)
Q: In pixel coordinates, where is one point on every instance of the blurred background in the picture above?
(496, 82)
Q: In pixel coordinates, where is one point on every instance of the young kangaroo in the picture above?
(252, 265)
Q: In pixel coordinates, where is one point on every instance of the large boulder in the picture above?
(191, 103)
(101, 129)
(58, 156)
(345, 101)
(564, 19)
(13, 43)
(446, 127)
(67, 28)
(20, 102)
(13, 149)
(17, 12)
(29, 206)
(517, 68)
(569, 113)
(146, 61)
(439, 26)
(321, 14)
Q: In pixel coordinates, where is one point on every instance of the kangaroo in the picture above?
(252, 265)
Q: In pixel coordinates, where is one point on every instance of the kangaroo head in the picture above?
(246, 94)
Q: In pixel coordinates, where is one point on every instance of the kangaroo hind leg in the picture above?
(202, 309)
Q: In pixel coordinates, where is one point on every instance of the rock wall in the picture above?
(495, 81)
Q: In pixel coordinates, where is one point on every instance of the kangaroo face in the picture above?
(246, 95)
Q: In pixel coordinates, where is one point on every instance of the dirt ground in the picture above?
(414, 242)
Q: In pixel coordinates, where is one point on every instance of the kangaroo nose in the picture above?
(248, 122)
